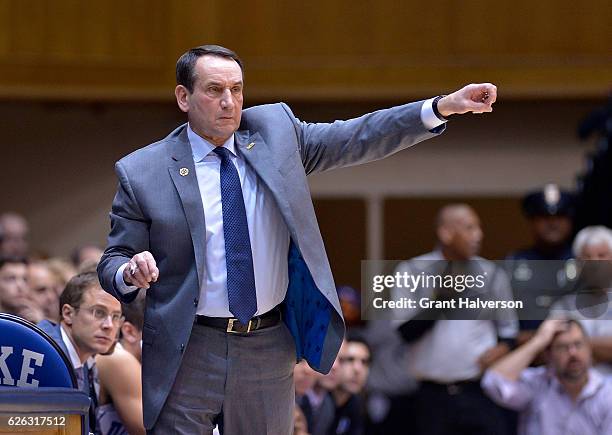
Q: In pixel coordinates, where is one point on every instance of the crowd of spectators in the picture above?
(500, 373)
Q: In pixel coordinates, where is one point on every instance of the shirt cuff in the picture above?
(507, 393)
(120, 283)
(428, 117)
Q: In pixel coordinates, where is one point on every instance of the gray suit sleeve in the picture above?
(325, 146)
(129, 235)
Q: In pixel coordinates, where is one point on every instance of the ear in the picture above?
(67, 314)
(182, 97)
(445, 235)
(129, 332)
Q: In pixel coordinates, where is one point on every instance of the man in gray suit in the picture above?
(216, 220)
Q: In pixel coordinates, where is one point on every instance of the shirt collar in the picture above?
(593, 384)
(72, 353)
(591, 388)
(200, 147)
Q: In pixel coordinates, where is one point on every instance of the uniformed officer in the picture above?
(539, 273)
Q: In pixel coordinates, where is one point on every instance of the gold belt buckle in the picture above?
(230, 326)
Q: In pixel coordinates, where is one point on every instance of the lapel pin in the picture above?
(251, 145)
(184, 172)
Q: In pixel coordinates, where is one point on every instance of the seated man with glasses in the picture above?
(89, 322)
(120, 405)
(566, 396)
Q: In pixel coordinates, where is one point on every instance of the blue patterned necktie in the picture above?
(238, 256)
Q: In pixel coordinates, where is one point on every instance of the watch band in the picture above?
(434, 106)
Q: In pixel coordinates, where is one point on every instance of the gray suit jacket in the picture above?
(158, 210)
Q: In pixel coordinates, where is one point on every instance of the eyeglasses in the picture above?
(565, 347)
(101, 315)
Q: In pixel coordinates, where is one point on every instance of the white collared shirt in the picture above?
(72, 353)
(268, 232)
(76, 361)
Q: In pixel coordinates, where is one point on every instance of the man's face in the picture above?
(14, 238)
(570, 354)
(42, 289)
(551, 230)
(132, 339)
(91, 327)
(354, 365)
(214, 108)
(330, 381)
(596, 251)
(465, 234)
(90, 255)
(13, 286)
(304, 377)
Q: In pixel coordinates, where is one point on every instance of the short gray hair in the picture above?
(589, 236)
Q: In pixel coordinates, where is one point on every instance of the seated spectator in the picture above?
(89, 322)
(391, 388)
(350, 303)
(42, 287)
(63, 271)
(304, 379)
(86, 256)
(120, 404)
(131, 330)
(566, 397)
(13, 235)
(592, 306)
(300, 426)
(14, 290)
(353, 369)
(318, 403)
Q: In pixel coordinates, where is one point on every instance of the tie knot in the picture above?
(222, 152)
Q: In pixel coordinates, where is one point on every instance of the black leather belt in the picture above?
(232, 325)
(453, 388)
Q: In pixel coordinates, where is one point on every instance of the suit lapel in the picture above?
(261, 158)
(56, 334)
(183, 174)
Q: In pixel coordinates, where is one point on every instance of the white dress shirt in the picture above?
(72, 353)
(76, 361)
(268, 232)
(450, 350)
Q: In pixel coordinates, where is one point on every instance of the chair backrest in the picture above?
(30, 358)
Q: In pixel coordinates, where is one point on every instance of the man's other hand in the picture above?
(141, 270)
(475, 98)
